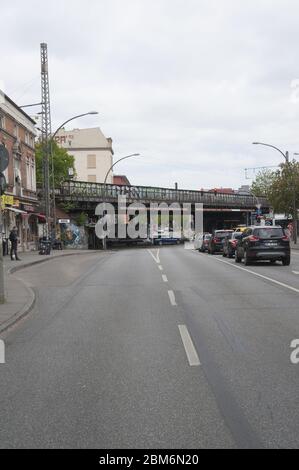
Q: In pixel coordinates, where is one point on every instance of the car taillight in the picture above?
(285, 238)
(253, 238)
(217, 240)
(234, 242)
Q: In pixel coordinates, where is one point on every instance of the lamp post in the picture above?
(105, 181)
(52, 159)
(286, 157)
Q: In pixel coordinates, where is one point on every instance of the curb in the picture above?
(27, 308)
(44, 260)
(21, 313)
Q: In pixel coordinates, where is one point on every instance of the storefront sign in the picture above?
(6, 201)
(64, 221)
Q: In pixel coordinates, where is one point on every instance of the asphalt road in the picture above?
(153, 348)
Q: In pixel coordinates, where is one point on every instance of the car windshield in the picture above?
(270, 232)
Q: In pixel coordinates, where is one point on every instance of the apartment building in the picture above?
(92, 151)
(19, 203)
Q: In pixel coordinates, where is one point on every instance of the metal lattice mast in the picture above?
(46, 130)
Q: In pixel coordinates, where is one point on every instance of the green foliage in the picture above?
(280, 187)
(263, 183)
(67, 206)
(62, 161)
(81, 219)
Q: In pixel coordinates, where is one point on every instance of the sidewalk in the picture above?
(20, 298)
(294, 247)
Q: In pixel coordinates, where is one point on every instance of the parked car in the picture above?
(216, 241)
(264, 243)
(163, 237)
(230, 244)
(201, 241)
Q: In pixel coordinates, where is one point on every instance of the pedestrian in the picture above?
(13, 237)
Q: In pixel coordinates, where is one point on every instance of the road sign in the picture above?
(4, 158)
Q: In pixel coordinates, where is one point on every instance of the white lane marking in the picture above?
(189, 346)
(164, 277)
(160, 267)
(172, 298)
(156, 258)
(282, 284)
(295, 272)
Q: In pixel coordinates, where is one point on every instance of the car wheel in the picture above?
(272, 261)
(246, 260)
(230, 255)
(286, 261)
(224, 254)
(237, 258)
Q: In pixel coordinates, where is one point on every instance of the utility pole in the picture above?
(46, 131)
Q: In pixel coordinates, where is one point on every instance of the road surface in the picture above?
(158, 348)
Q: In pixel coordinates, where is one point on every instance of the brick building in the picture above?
(19, 204)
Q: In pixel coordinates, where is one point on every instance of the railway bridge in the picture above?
(220, 210)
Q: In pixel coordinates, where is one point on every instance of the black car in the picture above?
(263, 243)
(217, 240)
(230, 244)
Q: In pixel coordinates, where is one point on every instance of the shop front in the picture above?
(22, 216)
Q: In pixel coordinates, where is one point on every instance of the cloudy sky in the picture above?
(189, 84)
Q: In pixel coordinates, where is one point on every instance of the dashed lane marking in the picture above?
(172, 298)
(189, 346)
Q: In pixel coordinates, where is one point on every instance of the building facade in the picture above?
(19, 203)
(121, 180)
(92, 151)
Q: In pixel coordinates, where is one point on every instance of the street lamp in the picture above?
(52, 159)
(123, 158)
(105, 181)
(286, 157)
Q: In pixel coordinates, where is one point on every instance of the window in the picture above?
(91, 161)
(2, 121)
(16, 131)
(92, 178)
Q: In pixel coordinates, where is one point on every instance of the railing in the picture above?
(82, 191)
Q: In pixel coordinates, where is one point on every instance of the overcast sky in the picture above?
(189, 84)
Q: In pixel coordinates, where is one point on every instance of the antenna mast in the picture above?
(46, 131)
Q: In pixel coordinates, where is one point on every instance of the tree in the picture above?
(280, 187)
(263, 183)
(284, 191)
(62, 161)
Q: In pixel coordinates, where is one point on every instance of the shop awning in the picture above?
(13, 209)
